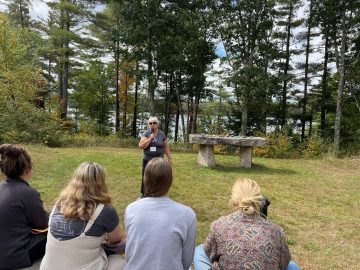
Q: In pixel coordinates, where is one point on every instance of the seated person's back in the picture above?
(160, 232)
(21, 210)
(244, 239)
(80, 223)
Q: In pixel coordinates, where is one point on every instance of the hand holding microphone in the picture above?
(152, 135)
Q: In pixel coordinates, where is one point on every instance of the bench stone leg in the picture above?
(206, 155)
(246, 156)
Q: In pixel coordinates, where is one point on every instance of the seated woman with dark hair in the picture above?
(160, 232)
(21, 211)
(82, 221)
(244, 239)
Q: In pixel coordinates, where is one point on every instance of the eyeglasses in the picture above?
(152, 123)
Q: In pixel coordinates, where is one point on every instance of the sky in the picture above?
(39, 9)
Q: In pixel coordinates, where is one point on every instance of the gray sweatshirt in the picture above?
(160, 235)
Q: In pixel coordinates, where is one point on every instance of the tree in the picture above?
(107, 30)
(349, 9)
(92, 97)
(310, 25)
(65, 21)
(244, 27)
(20, 78)
(286, 12)
(18, 11)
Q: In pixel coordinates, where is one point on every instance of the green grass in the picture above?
(315, 201)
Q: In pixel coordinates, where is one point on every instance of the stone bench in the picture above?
(206, 150)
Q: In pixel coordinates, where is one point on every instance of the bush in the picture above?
(89, 140)
(279, 146)
(315, 147)
(28, 124)
(282, 146)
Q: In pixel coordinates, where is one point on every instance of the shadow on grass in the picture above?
(256, 168)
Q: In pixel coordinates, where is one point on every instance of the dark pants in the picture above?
(37, 247)
(144, 163)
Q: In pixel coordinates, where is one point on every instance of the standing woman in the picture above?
(155, 144)
(81, 222)
(21, 210)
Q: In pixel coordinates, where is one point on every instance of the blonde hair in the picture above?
(246, 197)
(84, 192)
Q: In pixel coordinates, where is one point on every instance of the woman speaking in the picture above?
(155, 144)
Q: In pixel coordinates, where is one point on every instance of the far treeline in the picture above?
(288, 68)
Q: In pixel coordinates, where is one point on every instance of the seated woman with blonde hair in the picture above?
(244, 239)
(81, 222)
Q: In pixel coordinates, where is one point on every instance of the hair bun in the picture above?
(10, 151)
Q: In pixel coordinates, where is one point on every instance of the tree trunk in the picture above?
(190, 115)
(21, 15)
(177, 123)
(324, 91)
(286, 69)
(117, 99)
(125, 102)
(306, 79)
(196, 109)
(244, 115)
(180, 108)
(150, 77)
(168, 94)
(339, 101)
(133, 132)
(65, 69)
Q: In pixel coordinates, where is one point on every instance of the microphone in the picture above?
(152, 132)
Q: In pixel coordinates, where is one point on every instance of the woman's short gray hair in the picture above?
(153, 119)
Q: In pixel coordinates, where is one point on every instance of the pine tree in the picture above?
(244, 28)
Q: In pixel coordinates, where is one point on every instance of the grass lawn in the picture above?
(315, 201)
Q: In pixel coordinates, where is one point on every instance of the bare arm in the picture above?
(115, 236)
(145, 141)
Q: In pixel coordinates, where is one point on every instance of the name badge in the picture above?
(152, 149)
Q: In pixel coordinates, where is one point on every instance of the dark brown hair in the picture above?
(14, 160)
(157, 178)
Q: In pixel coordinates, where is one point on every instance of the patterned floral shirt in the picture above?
(243, 242)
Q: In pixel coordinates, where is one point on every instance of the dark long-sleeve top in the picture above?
(21, 210)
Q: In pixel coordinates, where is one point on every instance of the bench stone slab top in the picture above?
(231, 140)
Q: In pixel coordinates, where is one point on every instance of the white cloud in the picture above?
(39, 9)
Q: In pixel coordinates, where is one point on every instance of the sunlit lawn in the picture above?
(315, 201)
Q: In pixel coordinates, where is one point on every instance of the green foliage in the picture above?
(88, 140)
(92, 97)
(20, 119)
(285, 146)
(27, 123)
(316, 147)
(280, 146)
(18, 75)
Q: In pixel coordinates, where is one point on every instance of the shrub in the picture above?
(89, 140)
(28, 124)
(279, 146)
(315, 147)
